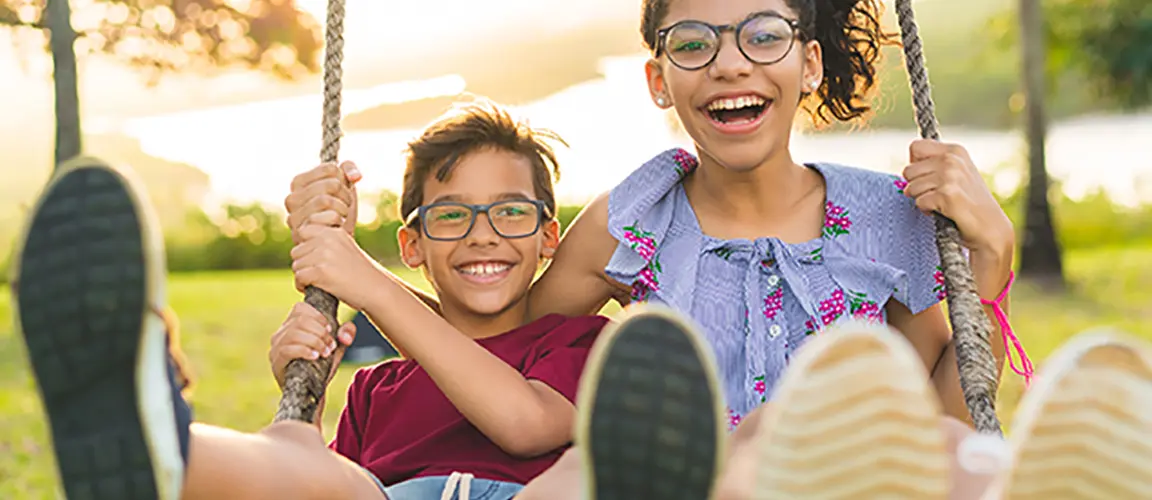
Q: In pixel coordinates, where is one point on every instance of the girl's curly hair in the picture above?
(850, 35)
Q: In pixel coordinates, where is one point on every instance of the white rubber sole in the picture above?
(1084, 429)
(855, 417)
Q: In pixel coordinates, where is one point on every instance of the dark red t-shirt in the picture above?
(399, 425)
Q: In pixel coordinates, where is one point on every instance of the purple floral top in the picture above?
(758, 301)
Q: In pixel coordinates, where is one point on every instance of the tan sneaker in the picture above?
(649, 412)
(854, 417)
(1084, 429)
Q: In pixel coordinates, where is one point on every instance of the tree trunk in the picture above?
(1040, 257)
(62, 40)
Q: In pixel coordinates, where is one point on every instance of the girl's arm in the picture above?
(574, 284)
(931, 335)
(523, 417)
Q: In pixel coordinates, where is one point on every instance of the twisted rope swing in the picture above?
(305, 380)
(971, 329)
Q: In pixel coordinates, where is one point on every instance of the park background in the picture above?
(217, 138)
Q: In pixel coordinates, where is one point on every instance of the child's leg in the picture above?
(88, 288)
(286, 460)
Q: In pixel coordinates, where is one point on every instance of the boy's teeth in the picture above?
(484, 269)
(737, 103)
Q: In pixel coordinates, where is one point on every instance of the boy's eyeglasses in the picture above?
(764, 38)
(451, 221)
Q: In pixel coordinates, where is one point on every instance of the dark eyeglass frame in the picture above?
(719, 30)
(542, 212)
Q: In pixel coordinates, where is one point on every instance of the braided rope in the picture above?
(971, 328)
(305, 381)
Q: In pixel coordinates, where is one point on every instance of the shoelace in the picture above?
(172, 327)
(464, 480)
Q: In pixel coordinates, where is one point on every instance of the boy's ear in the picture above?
(410, 253)
(551, 231)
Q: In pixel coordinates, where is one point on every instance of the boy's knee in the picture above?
(294, 432)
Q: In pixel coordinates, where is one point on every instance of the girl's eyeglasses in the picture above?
(764, 38)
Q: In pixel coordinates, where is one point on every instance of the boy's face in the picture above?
(483, 273)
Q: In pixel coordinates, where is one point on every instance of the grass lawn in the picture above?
(227, 319)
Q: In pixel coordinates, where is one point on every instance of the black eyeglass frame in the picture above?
(719, 30)
(542, 213)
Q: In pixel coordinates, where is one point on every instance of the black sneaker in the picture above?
(649, 421)
(89, 284)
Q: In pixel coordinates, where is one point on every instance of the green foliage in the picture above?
(253, 238)
(1107, 44)
(197, 35)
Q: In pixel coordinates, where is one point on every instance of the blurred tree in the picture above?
(162, 36)
(1106, 43)
(1040, 256)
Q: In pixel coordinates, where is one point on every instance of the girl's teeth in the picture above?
(737, 103)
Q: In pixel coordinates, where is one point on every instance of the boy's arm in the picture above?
(574, 284)
(425, 297)
(524, 417)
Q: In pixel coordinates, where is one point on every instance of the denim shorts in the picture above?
(431, 487)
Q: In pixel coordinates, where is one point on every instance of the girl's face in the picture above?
(738, 112)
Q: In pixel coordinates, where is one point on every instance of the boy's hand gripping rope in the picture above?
(971, 329)
(305, 381)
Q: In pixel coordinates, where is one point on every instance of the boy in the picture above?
(480, 396)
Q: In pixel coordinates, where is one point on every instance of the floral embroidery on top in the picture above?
(643, 243)
(941, 293)
(862, 308)
(810, 327)
(816, 254)
(855, 303)
(760, 386)
(900, 184)
(733, 419)
(685, 162)
(832, 307)
(774, 302)
(836, 221)
(724, 252)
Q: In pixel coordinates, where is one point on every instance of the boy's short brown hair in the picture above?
(477, 126)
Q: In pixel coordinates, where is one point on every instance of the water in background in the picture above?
(612, 127)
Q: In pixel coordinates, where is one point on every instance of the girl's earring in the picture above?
(660, 101)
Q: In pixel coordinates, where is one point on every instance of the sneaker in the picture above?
(855, 416)
(88, 287)
(649, 421)
(1084, 429)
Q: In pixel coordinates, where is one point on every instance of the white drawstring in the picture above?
(465, 481)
